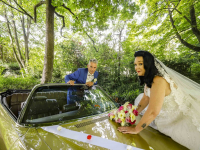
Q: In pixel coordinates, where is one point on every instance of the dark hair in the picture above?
(149, 66)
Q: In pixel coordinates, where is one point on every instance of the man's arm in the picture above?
(73, 76)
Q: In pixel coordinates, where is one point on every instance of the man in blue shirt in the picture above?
(86, 76)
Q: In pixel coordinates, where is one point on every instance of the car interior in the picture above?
(13, 102)
(47, 104)
(51, 103)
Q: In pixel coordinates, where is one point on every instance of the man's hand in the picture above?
(89, 83)
(71, 82)
(129, 130)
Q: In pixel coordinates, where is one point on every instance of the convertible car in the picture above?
(64, 117)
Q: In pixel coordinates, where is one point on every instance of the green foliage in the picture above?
(17, 83)
(68, 57)
(187, 64)
(13, 66)
(116, 69)
(2, 68)
(93, 14)
(127, 91)
(36, 61)
(156, 28)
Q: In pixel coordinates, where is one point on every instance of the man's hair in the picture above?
(93, 60)
(149, 66)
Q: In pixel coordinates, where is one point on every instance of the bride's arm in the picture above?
(143, 102)
(155, 104)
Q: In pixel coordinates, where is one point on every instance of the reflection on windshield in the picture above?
(58, 103)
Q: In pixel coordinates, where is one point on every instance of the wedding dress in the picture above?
(179, 117)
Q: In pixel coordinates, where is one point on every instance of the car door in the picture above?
(9, 129)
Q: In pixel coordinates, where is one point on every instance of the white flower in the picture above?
(59, 128)
(95, 80)
(129, 147)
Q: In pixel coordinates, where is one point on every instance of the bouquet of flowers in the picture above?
(125, 114)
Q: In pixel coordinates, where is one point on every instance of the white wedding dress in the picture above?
(173, 120)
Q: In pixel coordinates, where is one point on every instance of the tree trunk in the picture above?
(194, 22)
(119, 56)
(1, 49)
(185, 43)
(26, 37)
(17, 41)
(11, 39)
(49, 45)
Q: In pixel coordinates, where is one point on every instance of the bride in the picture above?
(172, 101)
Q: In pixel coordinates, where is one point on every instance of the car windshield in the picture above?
(60, 103)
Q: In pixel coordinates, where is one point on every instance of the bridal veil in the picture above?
(187, 92)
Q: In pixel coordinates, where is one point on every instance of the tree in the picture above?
(13, 28)
(170, 21)
(85, 16)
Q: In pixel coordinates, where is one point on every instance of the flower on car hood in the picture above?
(125, 114)
(121, 114)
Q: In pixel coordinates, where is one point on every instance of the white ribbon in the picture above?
(95, 140)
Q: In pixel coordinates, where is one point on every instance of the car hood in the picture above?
(101, 126)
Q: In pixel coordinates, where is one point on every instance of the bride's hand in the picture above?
(130, 130)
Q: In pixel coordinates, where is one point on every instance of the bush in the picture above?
(127, 89)
(13, 66)
(17, 83)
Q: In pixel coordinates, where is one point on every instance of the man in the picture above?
(86, 76)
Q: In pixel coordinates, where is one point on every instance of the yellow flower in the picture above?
(133, 107)
(115, 111)
(59, 128)
(132, 117)
(125, 105)
(112, 117)
(130, 111)
(121, 114)
(123, 122)
(133, 144)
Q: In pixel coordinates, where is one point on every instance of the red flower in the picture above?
(135, 112)
(129, 106)
(133, 122)
(119, 120)
(89, 137)
(121, 108)
(126, 111)
(128, 120)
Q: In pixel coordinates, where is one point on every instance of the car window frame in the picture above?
(23, 111)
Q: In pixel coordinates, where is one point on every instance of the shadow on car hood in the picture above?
(102, 127)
